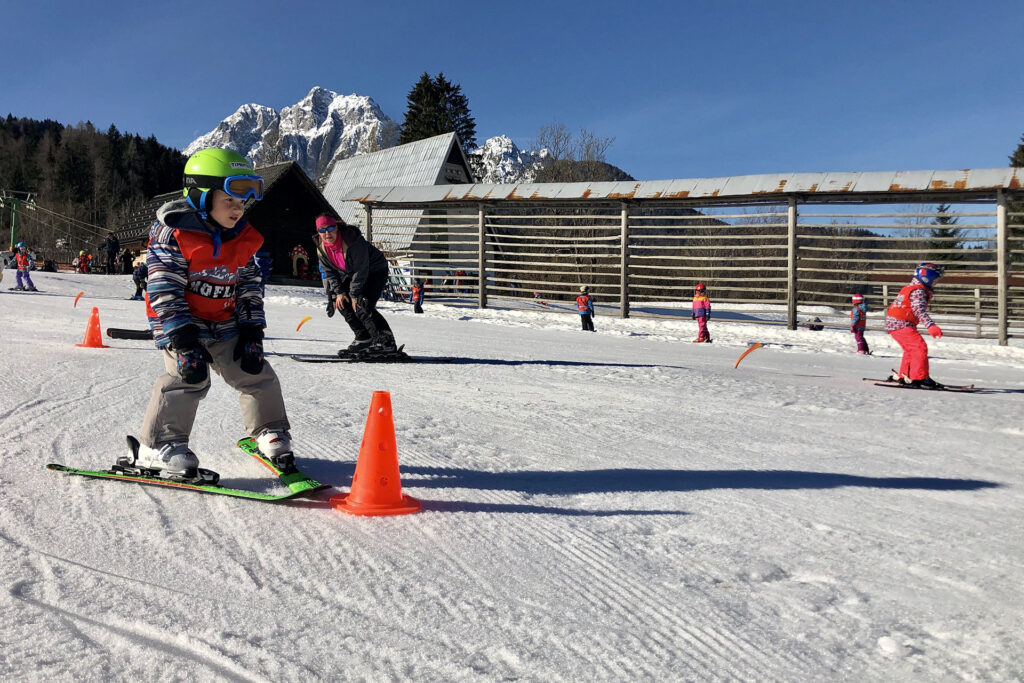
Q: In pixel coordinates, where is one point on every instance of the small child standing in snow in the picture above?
(858, 322)
(416, 296)
(701, 311)
(25, 263)
(586, 308)
(909, 308)
(139, 276)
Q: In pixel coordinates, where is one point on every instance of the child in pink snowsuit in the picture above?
(858, 322)
(700, 310)
(909, 308)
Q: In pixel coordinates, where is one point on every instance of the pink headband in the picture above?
(324, 221)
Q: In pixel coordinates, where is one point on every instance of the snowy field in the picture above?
(615, 506)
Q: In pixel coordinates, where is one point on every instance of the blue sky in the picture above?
(687, 89)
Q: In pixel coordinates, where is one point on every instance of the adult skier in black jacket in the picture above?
(355, 273)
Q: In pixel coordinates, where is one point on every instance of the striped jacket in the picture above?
(188, 284)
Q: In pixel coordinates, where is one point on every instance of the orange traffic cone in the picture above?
(377, 486)
(93, 338)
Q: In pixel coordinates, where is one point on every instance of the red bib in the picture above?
(210, 291)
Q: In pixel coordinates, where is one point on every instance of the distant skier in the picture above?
(416, 296)
(139, 276)
(585, 306)
(24, 262)
(204, 290)
(700, 310)
(112, 246)
(859, 322)
(908, 309)
(355, 273)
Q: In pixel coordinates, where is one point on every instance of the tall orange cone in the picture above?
(93, 338)
(377, 486)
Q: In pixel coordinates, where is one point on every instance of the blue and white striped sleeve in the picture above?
(168, 277)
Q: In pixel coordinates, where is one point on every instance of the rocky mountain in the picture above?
(499, 160)
(325, 127)
(315, 131)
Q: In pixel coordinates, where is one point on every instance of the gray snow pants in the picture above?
(173, 403)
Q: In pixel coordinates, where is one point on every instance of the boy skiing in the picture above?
(909, 308)
(25, 263)
(700, 310)
(204, 288)
(858, 322)
(586, 309)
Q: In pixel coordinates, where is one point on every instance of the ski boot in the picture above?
(19, 288)
(276, 446)
(356, 348)
(174, 461)
(926, 383)
(385, 349)
(31, 289)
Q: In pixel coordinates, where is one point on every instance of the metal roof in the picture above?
(748, 187)
(412, 164)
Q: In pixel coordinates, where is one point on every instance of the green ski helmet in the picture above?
(219, 169)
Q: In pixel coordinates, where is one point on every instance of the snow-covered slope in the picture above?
(615, 506)
(313, 132)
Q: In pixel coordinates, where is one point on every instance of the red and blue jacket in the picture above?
(192, 281)
(25, 261)
(859, 315)
(416, 295)
(585, 304)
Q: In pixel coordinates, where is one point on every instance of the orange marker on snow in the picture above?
(303, 322)
(753, 347)
(77, 298)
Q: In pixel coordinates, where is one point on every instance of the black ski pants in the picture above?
(367, 322)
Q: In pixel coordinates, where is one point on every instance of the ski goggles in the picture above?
(238, 186)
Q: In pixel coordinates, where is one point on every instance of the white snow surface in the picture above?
(615, 506)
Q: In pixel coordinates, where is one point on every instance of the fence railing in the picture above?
(793, 252)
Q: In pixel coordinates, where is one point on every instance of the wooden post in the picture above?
(1002, 276)
(624, 263)
(977, 312)
(791, 284)
(481, 300)
(885, 297)
(369, 223)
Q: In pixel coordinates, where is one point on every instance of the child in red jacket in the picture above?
(909, 308)
(858, 322)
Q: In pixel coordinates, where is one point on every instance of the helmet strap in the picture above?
(197, 200)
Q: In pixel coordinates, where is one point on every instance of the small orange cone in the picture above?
(93, 338)
(377, 486)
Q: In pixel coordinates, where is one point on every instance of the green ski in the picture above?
(296, 481)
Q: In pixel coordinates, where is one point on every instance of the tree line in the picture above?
(87, 175)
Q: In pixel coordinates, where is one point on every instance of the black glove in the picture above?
(192, 357)
(249, 348)
(330, 306)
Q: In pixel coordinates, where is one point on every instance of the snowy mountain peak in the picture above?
(499, 160)
(315, 131)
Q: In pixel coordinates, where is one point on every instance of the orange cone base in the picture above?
(406, 506)
(92, 346)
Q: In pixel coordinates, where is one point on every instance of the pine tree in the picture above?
(1017, 158)
(437, 106)
(945, 235)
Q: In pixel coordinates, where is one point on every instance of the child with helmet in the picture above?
(204, 291)
(355, 274)
(858, 322)
(416, 296)
(585, 305)
(25, 263)
(908, 309)
(700, 310)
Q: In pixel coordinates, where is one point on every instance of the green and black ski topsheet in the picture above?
(298, 484)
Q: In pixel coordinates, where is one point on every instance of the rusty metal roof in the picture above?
(978, 181)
